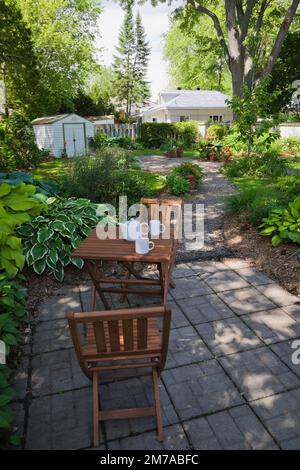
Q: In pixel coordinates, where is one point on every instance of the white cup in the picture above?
(156, 228)
(143, 246)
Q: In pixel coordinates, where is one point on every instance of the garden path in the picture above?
(215, 187)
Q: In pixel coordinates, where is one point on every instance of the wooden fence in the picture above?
(119, 130)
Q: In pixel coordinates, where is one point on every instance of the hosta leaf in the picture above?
(58, 226)
(39, 266)
(295, 237)
(78, 262)
(268, 230)
(38, 252)
(59, 273)
(44, 235)
(276, 240)
(5, 189)
(53, 256)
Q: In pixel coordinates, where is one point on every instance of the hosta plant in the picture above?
(50, 238)
(283, 224)
(18, 204)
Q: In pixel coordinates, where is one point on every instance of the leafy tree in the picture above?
(285, 71)
(130, 65)
(195, 57)
(52, 55)
(100, 88)
(250, 32)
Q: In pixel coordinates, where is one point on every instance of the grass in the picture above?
(53, 171)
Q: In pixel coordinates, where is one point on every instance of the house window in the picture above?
(154, 120)
(184, 118)
(216, 118)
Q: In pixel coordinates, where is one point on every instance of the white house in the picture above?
(68, 133)
(189, 105)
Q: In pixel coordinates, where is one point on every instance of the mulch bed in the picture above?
(281, 263)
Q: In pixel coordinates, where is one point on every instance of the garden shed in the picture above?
(64, 133)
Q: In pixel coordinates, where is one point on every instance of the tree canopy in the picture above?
(51, 53)
(250, 33)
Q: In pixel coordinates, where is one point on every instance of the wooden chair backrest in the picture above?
(122, 333)
(168, 211)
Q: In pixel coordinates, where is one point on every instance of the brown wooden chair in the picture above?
(169, 212)
(122, 340)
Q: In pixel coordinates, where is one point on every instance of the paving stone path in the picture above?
(229, 381)
(215, 187)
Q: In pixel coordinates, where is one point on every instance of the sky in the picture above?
(156, 23)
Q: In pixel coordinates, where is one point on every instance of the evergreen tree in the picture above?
(130, 65)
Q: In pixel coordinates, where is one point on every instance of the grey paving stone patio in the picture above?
(231, 380)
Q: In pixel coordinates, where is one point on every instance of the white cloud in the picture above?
(156, 23)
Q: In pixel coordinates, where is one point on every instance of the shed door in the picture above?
(74, 139)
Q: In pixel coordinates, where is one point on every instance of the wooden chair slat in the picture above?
(142, 333)
(114, 335)
(128, 335)
(100, 336)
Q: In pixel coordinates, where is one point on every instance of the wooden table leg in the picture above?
(166, 278)
(91, 271)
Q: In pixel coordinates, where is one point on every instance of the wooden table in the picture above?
(92, 250)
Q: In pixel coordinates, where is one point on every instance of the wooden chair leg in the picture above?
(160, 434)
(96, 409)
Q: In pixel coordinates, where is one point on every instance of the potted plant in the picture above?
(180, 147)
(170, 148)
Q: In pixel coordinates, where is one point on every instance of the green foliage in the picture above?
(283, 224)
(102, 140)
(50, 238)
(105, 177)
(290, 145)
(17, 177)
(177, 181)
(17, 144)
(268, 165)
(252, 105)
(48, 49)
(154, 134)
(18, 204)
(216, 132)
(187, 169)
(177, 184)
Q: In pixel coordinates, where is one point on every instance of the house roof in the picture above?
(193, 99)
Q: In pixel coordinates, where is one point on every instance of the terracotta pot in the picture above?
(179, 152)
(192, 181)
(170, 153)
(212, 157)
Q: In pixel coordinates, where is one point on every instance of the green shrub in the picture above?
(102, 140)
(177, 184)
(17, 143)
(18, 204)
(105, 177)
(283, 224)
(17, 177)
(289, 185)
(50, 238)
(216, 132)
(155, 134)
(268, 165)
(13, 315)
(291, 145)
(187, 169)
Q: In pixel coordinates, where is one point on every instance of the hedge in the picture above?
(154, 134)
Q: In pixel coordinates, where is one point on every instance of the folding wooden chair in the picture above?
(169, 212)
(122, 340)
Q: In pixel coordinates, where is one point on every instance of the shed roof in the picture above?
(49, 119)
